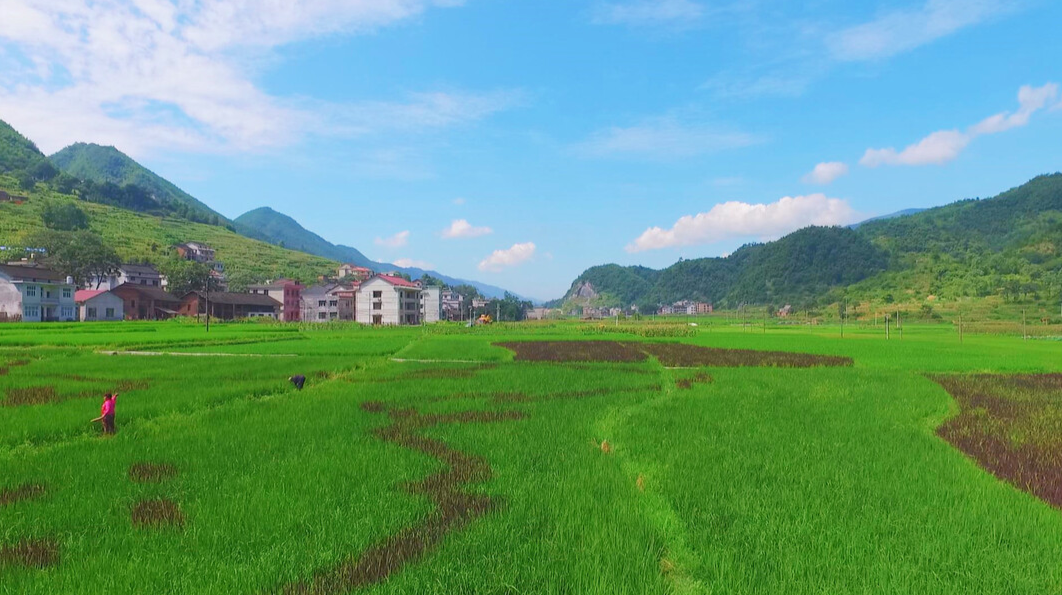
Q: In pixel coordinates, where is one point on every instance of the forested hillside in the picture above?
(1008, 246)
(17, 153)
(141, 237)
(102, 165)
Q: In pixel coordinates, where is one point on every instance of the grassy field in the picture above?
(533, 458)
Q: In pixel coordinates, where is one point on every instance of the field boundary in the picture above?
(192, 354)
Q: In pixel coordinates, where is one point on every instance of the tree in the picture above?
(469, 292)
(43, 170)
(80, 254)
(185, 275)
(64, 216)
(430, 281)
(26, 181)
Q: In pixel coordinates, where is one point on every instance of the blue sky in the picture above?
(519, 143)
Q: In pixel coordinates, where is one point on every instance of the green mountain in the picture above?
(16, 151)
(277, 228)
(1008, 246)
(97, 163)
(139, 237)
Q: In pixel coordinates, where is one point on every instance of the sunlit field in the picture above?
(589, 458)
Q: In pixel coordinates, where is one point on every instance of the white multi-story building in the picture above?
(384, 299)
(34, 294)
(136, 274)
(430, 304)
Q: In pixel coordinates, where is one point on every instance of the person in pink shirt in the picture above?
(107, 413)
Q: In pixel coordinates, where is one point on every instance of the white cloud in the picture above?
(662, 138)
(936, 149)
(398, 240)
(791, 83)
(459, 201)
(408, 263)
(461, 228)
(900, 31)
(1030, 101)
(648, 12)
(943, 146)
(738, 219)
(826, 173)
(501, 259)
(141, 74)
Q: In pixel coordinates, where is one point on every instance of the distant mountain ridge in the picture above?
(1009, 245)
(274, 227)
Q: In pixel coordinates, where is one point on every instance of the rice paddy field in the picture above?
(529, 458)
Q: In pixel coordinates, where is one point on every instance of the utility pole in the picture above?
(208, 304)
(844, 314)
(960, 327)
(886, 327)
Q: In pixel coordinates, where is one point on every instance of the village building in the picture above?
(478, 303)
(201, 253)
(285, 291)
(228, 306)
(347, 298)
(452, 305)
(196, 251)
(430, 304)
(704, 308)
(98, 305)
(320, 304)
(30, 293)
(350, 271)
(137, 274)
(540, 313)
(389, 300)
(144, 302)
(5, 197)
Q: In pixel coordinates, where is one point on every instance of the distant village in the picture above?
(30, 292)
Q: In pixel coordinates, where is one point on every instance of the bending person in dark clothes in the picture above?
(298, 380)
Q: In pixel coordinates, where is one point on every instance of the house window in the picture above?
(155, 282)
(377, 306)
(377, 319)
(68, 312)
(333, 315)
(110, 312)
(90, 313)
(333, 303)
(320, 303)
(377, 295)
(320, 316)
(31, 291)
(31, 311)
(66, 292)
